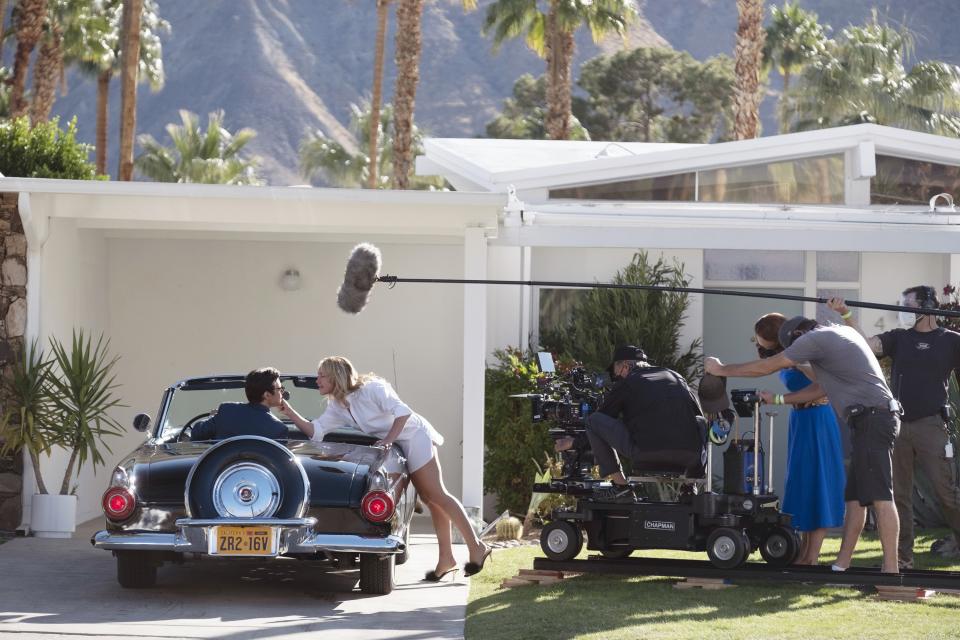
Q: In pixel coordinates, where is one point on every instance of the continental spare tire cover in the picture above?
(247, 477)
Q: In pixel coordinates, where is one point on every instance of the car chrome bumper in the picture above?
(295, 536)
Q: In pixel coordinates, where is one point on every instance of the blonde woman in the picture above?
(370, 404)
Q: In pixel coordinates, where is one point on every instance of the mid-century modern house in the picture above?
(188, 280)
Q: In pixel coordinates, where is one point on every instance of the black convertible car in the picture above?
(343, 500)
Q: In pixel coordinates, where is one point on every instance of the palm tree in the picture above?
(319, 155)
(130, 60)
(748, 56)
(383, 10)
(28, 18)
(211, 157)
(100, 58)
(794, 39)
(862, 77)
(73, 32)
(407, 58)
(550, 35)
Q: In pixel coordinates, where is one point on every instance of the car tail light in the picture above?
(377, 506)
(118, 503)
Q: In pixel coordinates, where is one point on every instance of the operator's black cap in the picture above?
(785, 335)
(713, 393)
(626, 352)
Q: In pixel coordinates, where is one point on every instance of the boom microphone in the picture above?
(363, 269)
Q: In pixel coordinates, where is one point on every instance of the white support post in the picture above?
(474, 363)
(36, 228)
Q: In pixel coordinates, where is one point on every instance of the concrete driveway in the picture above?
(66, 588)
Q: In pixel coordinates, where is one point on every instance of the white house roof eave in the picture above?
(687, 158)
(490, 163)
(746, 227)
(129, 205)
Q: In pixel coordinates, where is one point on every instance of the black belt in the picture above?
(858, 411)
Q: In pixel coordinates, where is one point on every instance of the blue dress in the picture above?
(815, 477)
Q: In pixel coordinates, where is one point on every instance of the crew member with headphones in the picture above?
(924, 354)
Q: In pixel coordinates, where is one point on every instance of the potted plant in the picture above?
(63, 401)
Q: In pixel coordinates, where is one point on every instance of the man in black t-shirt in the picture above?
(650, 416)
(924, 356)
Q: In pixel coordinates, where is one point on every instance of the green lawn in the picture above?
(597, 606)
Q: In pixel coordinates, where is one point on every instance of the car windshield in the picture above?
(195, 401)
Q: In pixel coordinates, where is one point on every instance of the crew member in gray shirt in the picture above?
(848, 373)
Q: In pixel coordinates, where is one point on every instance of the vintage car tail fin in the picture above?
(377, 506)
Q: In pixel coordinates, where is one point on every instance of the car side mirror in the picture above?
(141, 422)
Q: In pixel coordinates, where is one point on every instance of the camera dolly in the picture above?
(729, 526)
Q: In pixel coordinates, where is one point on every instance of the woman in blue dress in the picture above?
(815, 477)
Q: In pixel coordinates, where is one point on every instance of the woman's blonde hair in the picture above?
(345, 378)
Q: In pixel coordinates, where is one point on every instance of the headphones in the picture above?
(926, 296)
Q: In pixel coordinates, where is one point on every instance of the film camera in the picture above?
(564, 401)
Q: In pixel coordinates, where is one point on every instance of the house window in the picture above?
(733, 265)
(676, 187)
(903, 181)
(803, 181)
(838, 266)
(556, 307)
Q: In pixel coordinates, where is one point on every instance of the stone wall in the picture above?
(13, 322)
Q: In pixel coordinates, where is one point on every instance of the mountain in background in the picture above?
(288, 67)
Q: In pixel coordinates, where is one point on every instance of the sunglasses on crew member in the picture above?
(283, 392)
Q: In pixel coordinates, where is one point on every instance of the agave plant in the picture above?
(82, 393)
(30, 420)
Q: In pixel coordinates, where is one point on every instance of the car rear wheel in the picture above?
(376, 574)
(136, 569)
(247, 477)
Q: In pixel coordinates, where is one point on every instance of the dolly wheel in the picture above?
(617, 554)
(780, 547)
(561, 540)
(727, 548)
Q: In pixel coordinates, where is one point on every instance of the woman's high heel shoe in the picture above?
(433, 576)
(473, 568)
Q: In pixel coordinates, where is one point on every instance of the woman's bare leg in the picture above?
(441, 524)
(804, 547)
(429, 483)
(814, 543)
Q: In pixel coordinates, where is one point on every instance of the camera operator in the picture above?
(847, 372)
(650, 416)
(923, 357)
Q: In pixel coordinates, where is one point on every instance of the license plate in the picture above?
(244, 541)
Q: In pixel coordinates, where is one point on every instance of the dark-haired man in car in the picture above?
(253, 418)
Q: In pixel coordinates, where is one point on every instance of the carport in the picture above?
(199, 279)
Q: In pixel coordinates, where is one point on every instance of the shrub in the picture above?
(513, 443)
(601, 319)
(44, 151)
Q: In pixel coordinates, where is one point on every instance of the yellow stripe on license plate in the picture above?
(244, 541)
